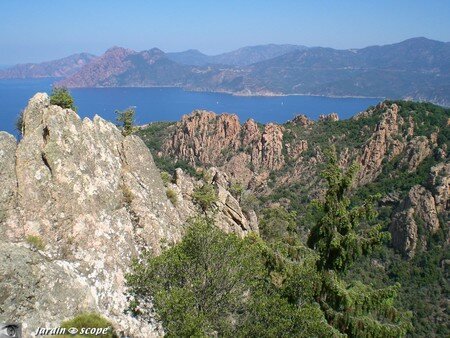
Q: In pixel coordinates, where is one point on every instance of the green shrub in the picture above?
(249, 202)
(89, 320)
(125, 118)
(154, 135)
(213, 284)
(166, 177)
(277, 223)
(172, 196)
(61, 97)
(205, 196)
(36, 242)
(168, 165)
(236, 189)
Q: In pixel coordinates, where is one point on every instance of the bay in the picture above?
(169, 104)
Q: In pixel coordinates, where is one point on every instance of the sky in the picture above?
(40, 30)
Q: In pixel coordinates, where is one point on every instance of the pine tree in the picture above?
(126, 120)
(354, 309)
(61, 97)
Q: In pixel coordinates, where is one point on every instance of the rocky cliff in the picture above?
(79, 201)
(396, 145)
(418, 207)
(220, 140)
(383, 143)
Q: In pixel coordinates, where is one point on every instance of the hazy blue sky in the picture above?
(40, 30)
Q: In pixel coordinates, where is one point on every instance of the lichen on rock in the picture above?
(65, 183)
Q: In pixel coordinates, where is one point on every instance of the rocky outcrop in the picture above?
(229, 213)
(294, 150)
(329, 117)
(415, 152)
(381, 145)
(212, 139)
(226, 212)
(95, 200)
(244, 151)
(40, 292)
(93, 197)
(439, 180)
(416, 215)
(204, 136)
(302, 120)
(270, 148)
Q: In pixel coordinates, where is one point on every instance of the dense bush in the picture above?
(217, 284)
(205, 196)
(60, 96)
(277, 223)
(213, 283)
(154, 135)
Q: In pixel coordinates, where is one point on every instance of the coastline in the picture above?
(272, 94)
(268, 94)
(238, 94)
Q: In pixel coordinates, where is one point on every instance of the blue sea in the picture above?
(169, 104)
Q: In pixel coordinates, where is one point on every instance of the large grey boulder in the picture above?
(95, 199)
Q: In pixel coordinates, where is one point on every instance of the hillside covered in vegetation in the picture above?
(401, 151)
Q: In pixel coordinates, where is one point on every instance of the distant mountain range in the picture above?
(240, 57)
(417, 68)
(58, 68)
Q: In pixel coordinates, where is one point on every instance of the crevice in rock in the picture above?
(45, 161)
(121, 151)
(45, 134)
(16, 193)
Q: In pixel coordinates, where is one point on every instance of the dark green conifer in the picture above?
(339, 238)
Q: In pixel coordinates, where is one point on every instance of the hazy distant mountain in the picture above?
(125, 67)
(417, 54)
(414, 68)
(248, 55)
(418, 68)
(190, 57)
(239, 57)
(57, 68)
